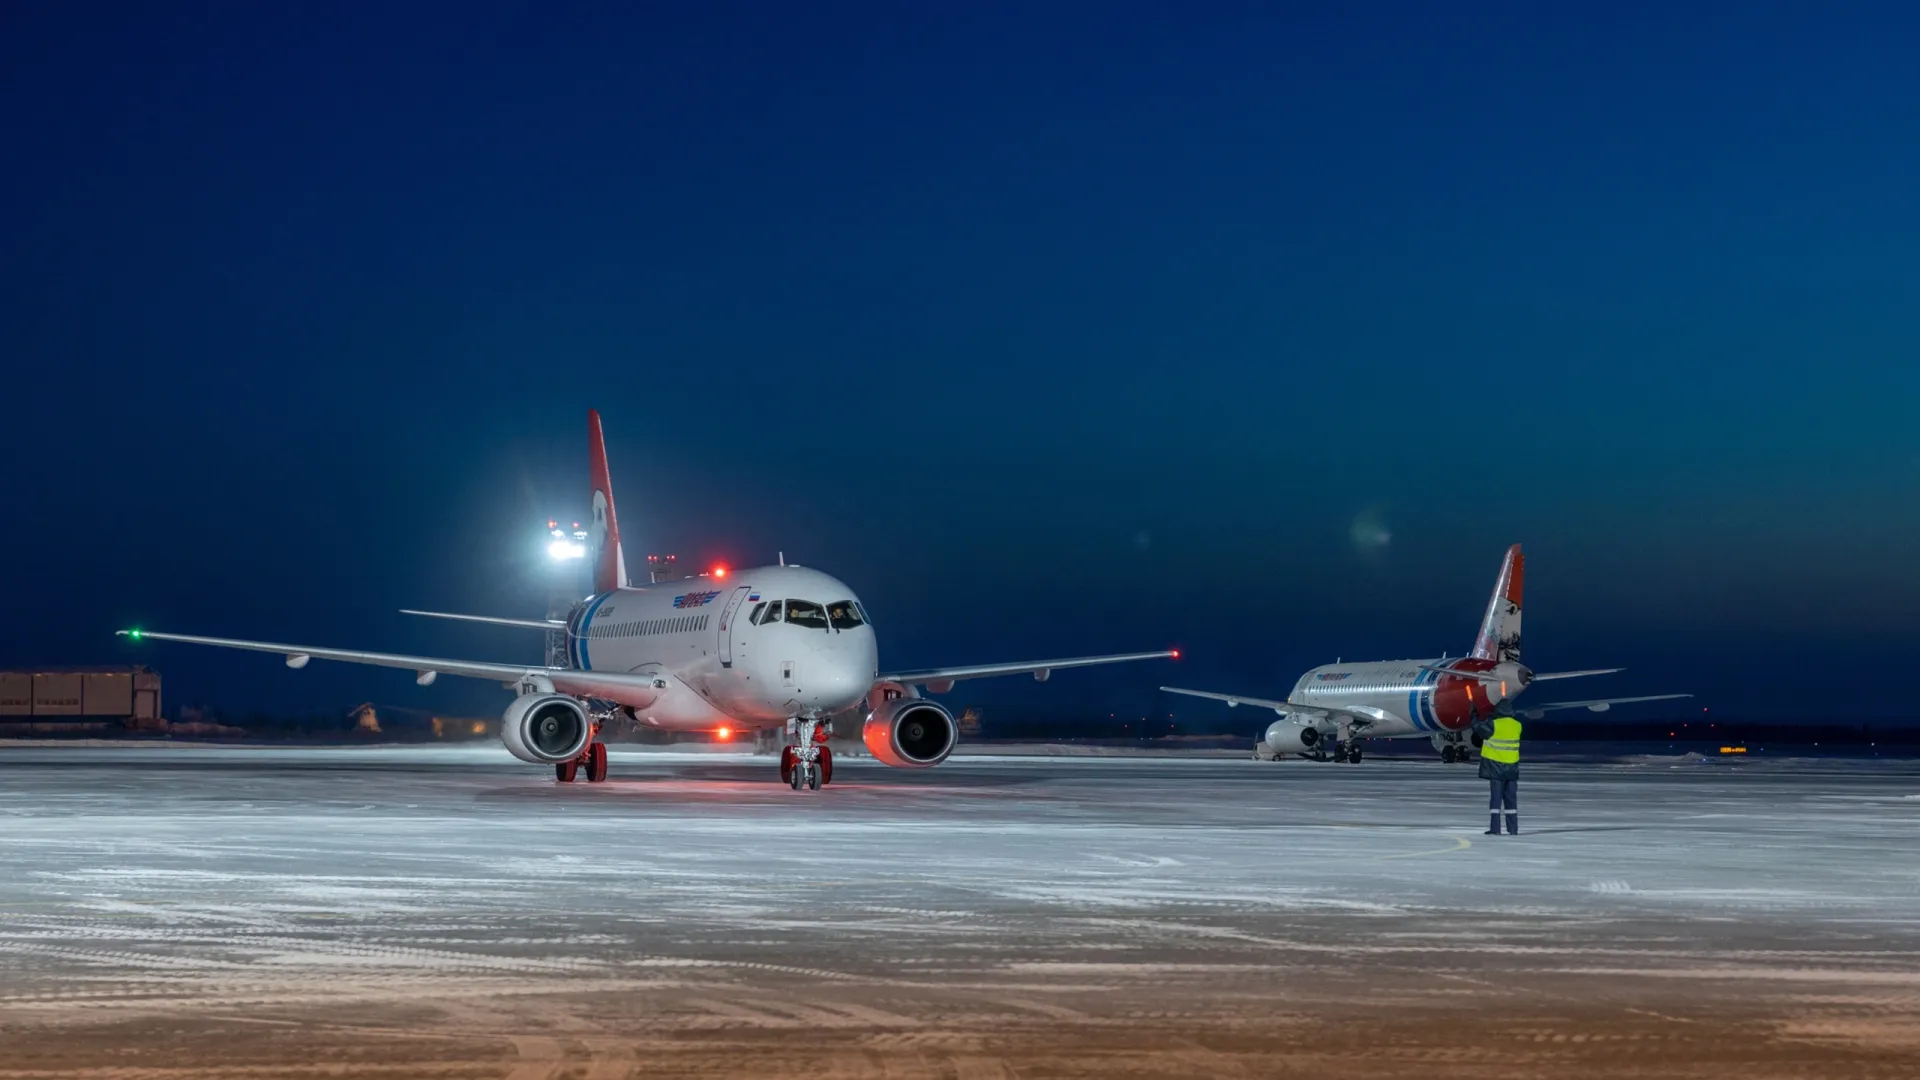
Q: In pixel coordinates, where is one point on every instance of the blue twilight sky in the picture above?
(1258, 329)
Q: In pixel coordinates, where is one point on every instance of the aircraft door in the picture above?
(726, 624)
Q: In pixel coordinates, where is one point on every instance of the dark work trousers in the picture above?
(1508, 792)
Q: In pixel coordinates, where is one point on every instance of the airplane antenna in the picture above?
(783, 558)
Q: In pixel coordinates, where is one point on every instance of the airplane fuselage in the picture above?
(1406, 698)
(753, 648)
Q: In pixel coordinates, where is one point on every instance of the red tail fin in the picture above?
(603, 542)
(1500, 629)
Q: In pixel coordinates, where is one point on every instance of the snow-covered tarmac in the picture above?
(449, 911)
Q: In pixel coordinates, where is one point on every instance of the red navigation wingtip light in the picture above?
(1176, 654)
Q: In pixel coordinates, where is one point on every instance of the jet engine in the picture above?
(543, 729)
(1294, 737)
(910, 733)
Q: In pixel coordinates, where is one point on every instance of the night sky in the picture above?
(1257, 330)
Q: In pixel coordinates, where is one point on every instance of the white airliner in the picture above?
(1333, 706)
(774, 646)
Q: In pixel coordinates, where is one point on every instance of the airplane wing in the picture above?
(1233, 700)
(492, 620)
(1546, 676)
(1534, 712)
(625, 688)
(940, 680)
(1359, 716)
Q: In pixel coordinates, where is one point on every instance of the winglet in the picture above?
(609, 562)
(1500, 628)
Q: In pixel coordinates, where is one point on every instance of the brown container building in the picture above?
(128, 693)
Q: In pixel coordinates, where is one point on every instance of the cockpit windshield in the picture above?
(771, 614)
(806, 613)
(843, 615)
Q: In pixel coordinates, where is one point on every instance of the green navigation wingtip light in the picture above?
(134, 634)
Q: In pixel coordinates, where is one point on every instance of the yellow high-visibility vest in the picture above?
(1504, 747)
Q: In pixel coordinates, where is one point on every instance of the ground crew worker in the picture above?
(1500, 767)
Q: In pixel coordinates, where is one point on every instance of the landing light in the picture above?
(567, 549)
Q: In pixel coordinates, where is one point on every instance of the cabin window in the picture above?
(806, 613)
(843, 616)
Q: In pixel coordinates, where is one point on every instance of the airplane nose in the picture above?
(835, 686)
(844, 675)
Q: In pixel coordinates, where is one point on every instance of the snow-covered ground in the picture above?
(193, 881)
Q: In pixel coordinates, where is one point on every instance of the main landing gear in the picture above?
(593, 758)
(1346, 750)
(806, 762)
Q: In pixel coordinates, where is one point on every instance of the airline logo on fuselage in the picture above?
(695, 599)
(1334, 676)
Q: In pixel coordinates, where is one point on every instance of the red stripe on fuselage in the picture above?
(1456, 700)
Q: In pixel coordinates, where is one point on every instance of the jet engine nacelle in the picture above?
(910, 733)
(1294, 737)
(543, 729)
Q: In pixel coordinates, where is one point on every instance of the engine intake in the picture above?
(1293, 737)
(910, 733)
(543, 729)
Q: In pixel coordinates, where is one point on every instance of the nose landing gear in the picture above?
(806, 762)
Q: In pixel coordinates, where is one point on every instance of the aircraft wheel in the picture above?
(1353, 756)
(786, 765)
(1448, 755)
(795, 779)
(826, 767)
(597, 763)
(813, 779)
(565, 770)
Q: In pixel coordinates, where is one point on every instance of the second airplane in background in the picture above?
(1334, 706)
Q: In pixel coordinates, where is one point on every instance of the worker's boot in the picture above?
(1513, 824)
(1493, 823)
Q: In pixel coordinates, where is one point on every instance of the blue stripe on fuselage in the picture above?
(580, 659)
(1429, 682)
